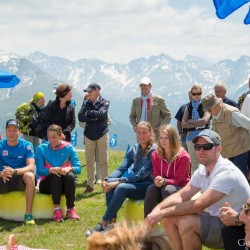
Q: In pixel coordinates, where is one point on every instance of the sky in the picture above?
(119, 31)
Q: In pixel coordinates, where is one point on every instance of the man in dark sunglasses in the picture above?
(193, 222)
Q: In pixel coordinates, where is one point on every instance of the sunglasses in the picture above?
(246, 208)
(194, 94)
(205, 147)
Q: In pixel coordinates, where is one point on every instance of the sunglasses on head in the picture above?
(246, 207)
(194, 94)
(205, 147)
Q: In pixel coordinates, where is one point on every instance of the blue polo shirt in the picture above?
(15, 156)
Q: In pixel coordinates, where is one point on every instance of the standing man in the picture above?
(94, 112)
(242, 97)
(17, 166)
(179, 115)
(189, 224)
(220, 90)
(233, 128)
(149, 107)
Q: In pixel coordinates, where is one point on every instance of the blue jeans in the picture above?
(116, 197)
(241, 161)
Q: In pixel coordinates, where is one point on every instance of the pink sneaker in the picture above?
(58, 215)
(72, 215)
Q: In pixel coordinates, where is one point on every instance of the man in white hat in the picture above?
(149, 107)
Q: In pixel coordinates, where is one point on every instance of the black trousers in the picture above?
(55, 185)
(233, 237)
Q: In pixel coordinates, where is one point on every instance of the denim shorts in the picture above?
(211, 231)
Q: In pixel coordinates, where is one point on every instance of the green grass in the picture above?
(69, 234)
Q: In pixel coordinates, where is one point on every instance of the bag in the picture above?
(24, 114)
(38, 122)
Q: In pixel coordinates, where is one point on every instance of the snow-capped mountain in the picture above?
(120, 82)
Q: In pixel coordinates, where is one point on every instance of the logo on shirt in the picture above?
(28, 147)
(5, 152)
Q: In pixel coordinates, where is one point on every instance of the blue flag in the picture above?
(226, 7)
(113, 141)
(74, 139)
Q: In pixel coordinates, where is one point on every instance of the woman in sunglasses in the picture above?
(194, 120)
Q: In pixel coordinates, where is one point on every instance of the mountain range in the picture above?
(119, 82)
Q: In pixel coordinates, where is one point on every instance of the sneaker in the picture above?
(98, 228)
(58, 215)
(88, 190)
(108, 227)
(72, 215)
(28, 219)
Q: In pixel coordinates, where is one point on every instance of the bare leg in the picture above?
(172, 231)
(184, 232)
(29, 180)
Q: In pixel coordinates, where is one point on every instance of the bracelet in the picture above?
(238, 221)
(15, 172)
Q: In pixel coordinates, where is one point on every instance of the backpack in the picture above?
(24, 114)
(38, 122)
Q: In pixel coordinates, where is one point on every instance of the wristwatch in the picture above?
(238, 221)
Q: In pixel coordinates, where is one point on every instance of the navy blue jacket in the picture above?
(95, 115)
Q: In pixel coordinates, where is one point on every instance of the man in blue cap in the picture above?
(17, 166)
(94, 112)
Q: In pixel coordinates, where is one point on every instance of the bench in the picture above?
(134, 211)
(13, 206)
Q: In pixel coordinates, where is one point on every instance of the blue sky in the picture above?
(120, 31)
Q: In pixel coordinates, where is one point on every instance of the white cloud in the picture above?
(118, 30)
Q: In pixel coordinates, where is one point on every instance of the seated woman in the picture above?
(57, 163)
(171, 168)
(135, 184)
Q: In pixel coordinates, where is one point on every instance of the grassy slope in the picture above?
(69, 234)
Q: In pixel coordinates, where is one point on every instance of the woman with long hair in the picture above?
(133, 184)
(171, 168)
(57, 163)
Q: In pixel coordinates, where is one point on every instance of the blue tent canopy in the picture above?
(8, 80)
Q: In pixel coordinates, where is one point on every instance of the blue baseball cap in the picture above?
(13, 122)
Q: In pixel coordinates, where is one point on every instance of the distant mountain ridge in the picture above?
(119, 82)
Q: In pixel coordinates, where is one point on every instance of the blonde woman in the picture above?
(171, 168)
